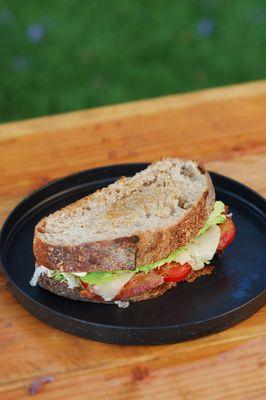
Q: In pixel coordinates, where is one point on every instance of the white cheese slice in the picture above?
(110, 289)
(39, 270)
(201, 250)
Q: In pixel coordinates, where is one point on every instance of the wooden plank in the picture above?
(207, 131)
(237, 373)
(224, 127)
(136, 109)
(21, 334)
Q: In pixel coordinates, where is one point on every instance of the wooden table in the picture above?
(225, 128)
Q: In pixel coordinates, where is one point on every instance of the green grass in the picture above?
(99, 52)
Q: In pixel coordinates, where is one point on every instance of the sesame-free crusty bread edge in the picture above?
(126, 253)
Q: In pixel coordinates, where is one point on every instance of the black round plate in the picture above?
(234, 291)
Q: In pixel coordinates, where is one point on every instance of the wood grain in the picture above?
(225, 128)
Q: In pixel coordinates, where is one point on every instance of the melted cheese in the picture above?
(39, 270)
(202, 249)
(109, 290)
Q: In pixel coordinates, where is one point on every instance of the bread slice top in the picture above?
(169, 200)
(156, 197)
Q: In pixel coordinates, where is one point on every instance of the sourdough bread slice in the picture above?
(132, 222)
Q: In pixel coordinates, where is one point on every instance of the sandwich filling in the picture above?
(120, 285)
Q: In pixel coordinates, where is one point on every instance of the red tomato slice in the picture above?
(174, 272)
(84, 284)
(228, 231)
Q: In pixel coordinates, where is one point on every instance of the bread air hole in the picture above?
(187, 170)
(182, 203)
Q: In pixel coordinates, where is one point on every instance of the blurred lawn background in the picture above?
(58, 56)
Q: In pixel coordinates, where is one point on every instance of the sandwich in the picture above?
(134, 239)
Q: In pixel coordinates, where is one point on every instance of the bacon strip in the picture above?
(88, 293)
(140, 283)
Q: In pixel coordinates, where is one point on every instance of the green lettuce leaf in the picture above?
(215, 218)
(98, 278)
(170, 258)
(58, 276)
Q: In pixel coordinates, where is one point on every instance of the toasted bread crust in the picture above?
(61, 288)
(126, 253)
(117, 254)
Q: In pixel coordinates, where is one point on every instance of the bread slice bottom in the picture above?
(60, 288)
